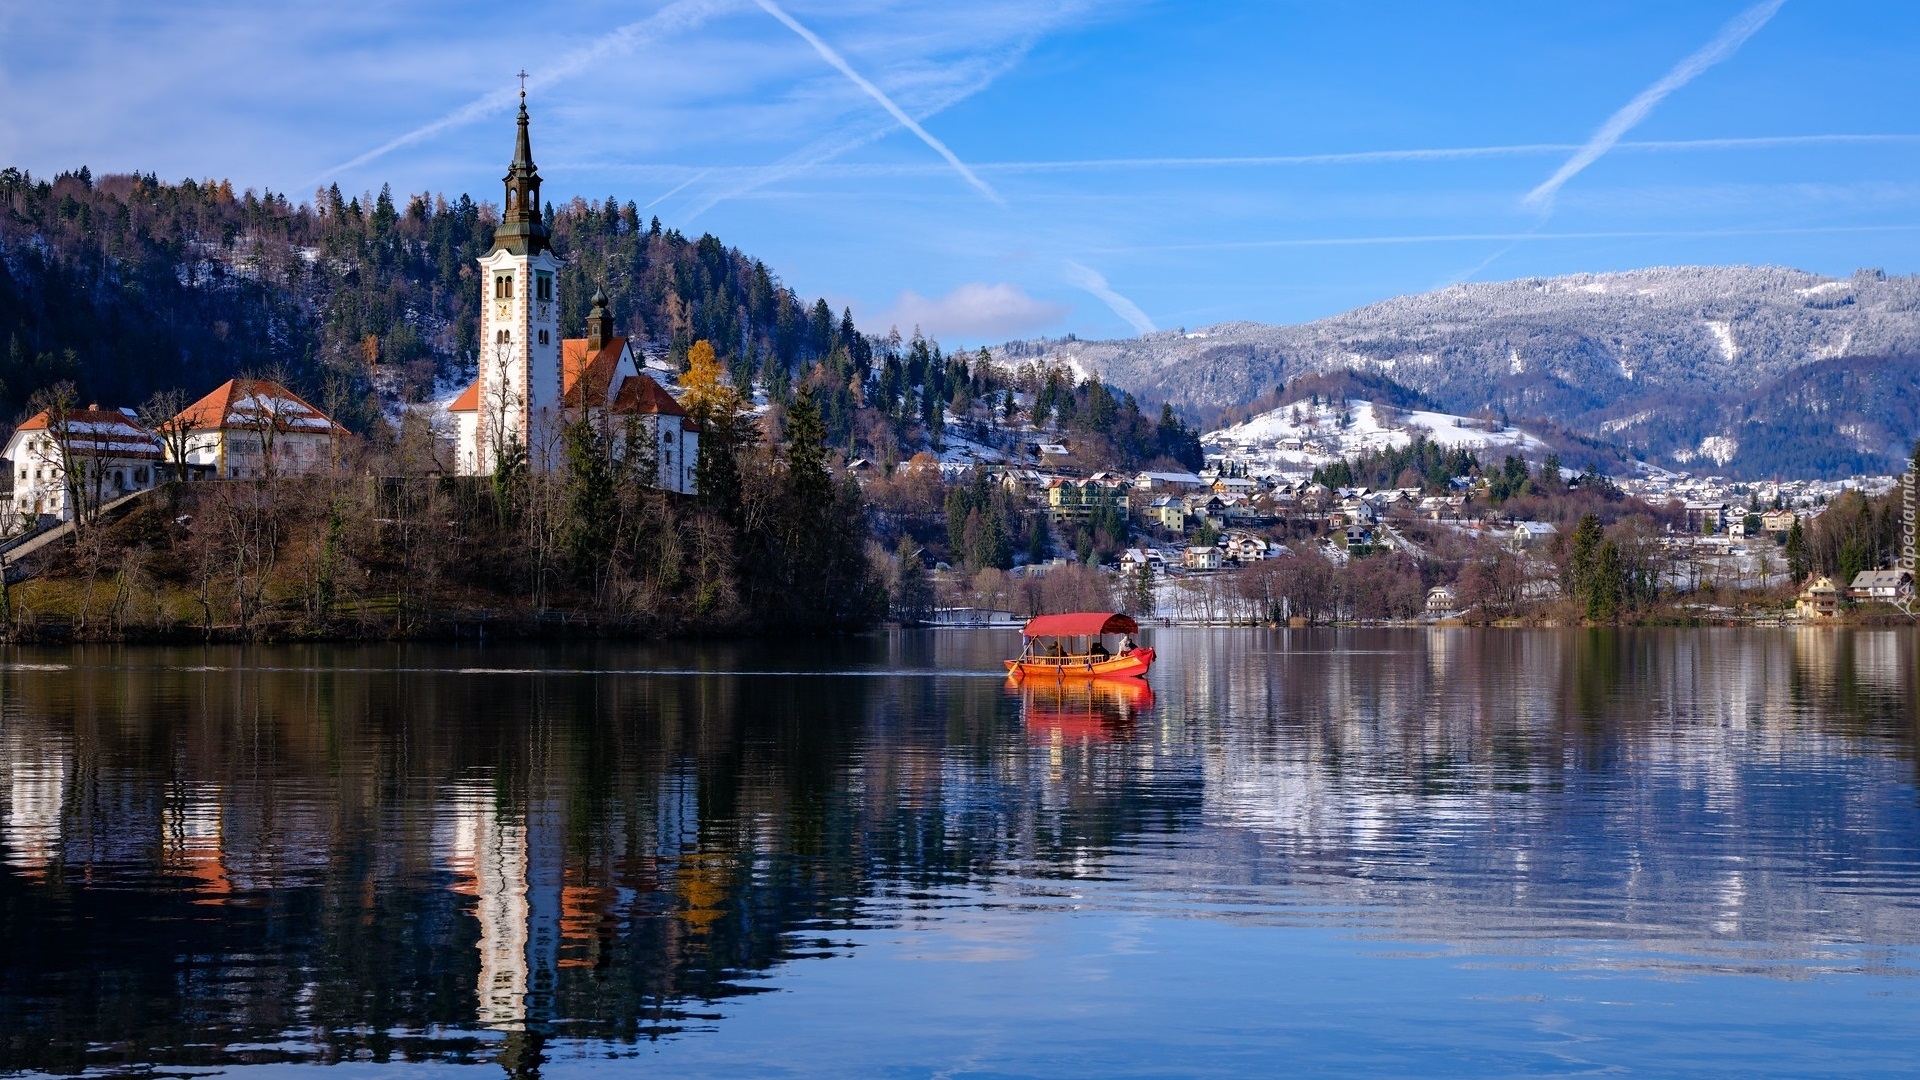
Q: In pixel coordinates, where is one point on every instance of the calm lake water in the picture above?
(1394, 852)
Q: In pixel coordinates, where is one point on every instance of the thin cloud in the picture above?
(830, 56)
(1500, 237)
(1724, 45)
(974, 312)
(673, 19)
(1360, 157)
(1093, 281)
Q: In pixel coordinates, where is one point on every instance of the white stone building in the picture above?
(250, 429)
(94, 453)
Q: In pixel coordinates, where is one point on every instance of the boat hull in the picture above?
(1133, 665)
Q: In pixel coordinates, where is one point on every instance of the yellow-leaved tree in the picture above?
(720, 412)
(708, 396)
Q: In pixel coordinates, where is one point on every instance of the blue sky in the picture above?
(1086, 166)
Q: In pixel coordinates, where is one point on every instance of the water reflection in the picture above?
(229, 857)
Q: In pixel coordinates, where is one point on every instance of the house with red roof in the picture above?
(91, 456)
(251, 429)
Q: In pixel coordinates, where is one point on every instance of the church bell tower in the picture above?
(520, 378)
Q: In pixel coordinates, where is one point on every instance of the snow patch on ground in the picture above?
(1723, 337)
(1610, 426)
(1719, 449)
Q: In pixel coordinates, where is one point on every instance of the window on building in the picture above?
(503, 336)
(542, 285)
(543, 337)
(503, 286)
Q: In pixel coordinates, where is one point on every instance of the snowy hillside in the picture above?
(1302, 436)
(1651, 359)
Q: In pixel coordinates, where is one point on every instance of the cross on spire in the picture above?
(523, 82)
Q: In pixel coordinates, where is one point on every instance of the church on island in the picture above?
(533, 382)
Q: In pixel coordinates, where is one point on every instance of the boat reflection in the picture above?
(1081, 710)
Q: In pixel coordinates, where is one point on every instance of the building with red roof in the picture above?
(251, 429)
(93, 454)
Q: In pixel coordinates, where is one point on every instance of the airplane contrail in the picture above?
(680, 187)
(1096, 283)
(672, 19)
(669, 172)
(1724, 45)
(830, 56)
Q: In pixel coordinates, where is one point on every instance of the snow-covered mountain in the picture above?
(1654, 359)
(1302, 436)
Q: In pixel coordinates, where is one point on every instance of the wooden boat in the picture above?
(1062, 647)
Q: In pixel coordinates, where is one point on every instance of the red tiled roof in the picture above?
(596, 368)
(251, 404)
(102, 433)
(639, 394)
(469, 399)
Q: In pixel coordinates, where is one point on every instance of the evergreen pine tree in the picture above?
(1583, 555)
(807, 478)
(1606, 587)
(1799, 559)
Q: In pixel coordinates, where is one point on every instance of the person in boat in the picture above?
(1099, 650)
(1126, 644)
(1026, 646)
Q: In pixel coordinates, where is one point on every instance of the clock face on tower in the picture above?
(500, 310)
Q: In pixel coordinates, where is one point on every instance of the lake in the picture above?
(1399, 852)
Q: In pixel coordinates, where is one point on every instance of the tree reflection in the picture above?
(222, 857)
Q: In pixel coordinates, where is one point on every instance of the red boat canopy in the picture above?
(1081, 624)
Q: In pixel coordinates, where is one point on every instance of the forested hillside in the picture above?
(127, 285)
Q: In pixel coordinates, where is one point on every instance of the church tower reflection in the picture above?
(509, 859)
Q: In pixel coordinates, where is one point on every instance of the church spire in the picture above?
(521, 229)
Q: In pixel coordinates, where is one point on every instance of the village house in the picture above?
(1168, 512)
(1078, 500)
(1532, 534)
(1707, 517)
(250, 429)
(1442, 602)
(1883, 586)
(1777, 521)
(1167, 481)
(1235, 485)
(1023, 482)
(533, 383)
(97, 455)
(1244, 548)
(1819, 600)
(1201, 558)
